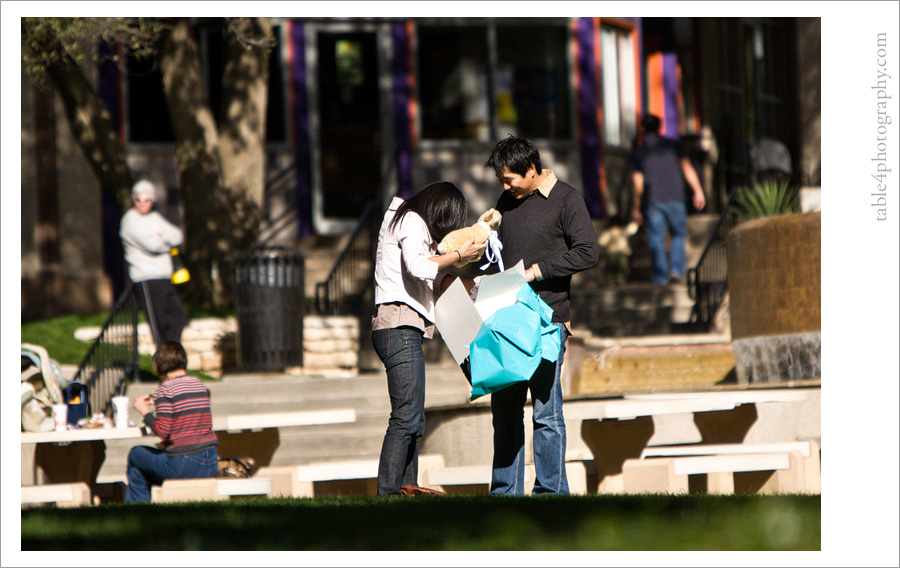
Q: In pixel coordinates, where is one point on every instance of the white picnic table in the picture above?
(77, 455)
(81, 435)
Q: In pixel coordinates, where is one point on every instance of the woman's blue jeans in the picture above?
(508, 415)
(400, 350)
(150, 466)
(659, 216)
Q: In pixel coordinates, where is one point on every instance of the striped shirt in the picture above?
(183, 417)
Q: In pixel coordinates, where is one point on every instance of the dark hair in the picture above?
(515, 155)
(651, 124)
(169, 357)
(440, 204)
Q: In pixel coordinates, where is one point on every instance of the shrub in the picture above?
(766, 199)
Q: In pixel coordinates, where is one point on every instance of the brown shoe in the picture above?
(415, 490)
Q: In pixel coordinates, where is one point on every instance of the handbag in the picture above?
(236, 466)
(180, 273)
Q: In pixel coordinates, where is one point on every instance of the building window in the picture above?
(484, 82)
(148, 113)
(619, 85)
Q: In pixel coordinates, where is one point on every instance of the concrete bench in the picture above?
(670, 475)
(464, 479)
(802, 476)
(474, 479)
(357, 477)
(62, 494)
(210, 489)
(260, 421)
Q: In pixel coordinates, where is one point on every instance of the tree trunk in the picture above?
(206, 207)
(242, 130)
(92, 128)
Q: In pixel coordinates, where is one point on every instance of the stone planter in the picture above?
(774, 284)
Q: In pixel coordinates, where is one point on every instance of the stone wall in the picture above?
(330, 345)
(775, 275)
(774, 282)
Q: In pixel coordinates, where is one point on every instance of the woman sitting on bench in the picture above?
(183, 421)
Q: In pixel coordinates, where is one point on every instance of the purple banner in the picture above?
(300, 113)
(588, 104)
(402, 97)
(671, 92)
(108, 78)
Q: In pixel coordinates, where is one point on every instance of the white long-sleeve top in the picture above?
(403, 272)
(147, 240)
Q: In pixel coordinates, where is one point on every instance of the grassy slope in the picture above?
(596, 522)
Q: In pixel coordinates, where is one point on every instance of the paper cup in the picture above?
(122, 408)
(60, 417)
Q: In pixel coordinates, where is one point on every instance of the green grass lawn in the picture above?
(459, 523)
(57, 336)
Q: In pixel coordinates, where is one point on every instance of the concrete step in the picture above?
(630, 309)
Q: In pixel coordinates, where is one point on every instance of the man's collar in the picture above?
(547, 186)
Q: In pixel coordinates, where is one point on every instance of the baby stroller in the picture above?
(43, 385)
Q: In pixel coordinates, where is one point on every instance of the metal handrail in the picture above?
(113, 357)
(275, 226)
(353, 272)
(707, 282)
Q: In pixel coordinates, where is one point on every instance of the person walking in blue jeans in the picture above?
(183, 421)
(546, 225)
(659, 169)
(406, 269)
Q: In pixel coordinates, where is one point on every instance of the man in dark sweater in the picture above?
(547, 226)
(660, 169)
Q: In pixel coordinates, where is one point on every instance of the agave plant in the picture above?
(765, 199)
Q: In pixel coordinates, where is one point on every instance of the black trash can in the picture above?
(269, 302)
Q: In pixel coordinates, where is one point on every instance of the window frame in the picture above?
(629, 29)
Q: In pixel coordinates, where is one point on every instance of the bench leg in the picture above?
(285, 482)
(582, 476)
(726, 426)
(204, 489)
(78, 461)
(813, 470)
(652, 476)
(81, 495)
(720, 483)
(613, 442)
(259, 445)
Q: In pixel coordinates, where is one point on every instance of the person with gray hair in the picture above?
(148, 238)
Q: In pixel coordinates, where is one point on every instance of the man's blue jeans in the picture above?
(660, 216)
(508, 411)
(400, 350)
(150, 466)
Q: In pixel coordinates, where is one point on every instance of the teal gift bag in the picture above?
(511, 343)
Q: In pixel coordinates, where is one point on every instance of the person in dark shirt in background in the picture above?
(659, 169)
(546, 225)
(183, 421)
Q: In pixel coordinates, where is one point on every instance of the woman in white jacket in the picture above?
(148, 239)
(406, 268)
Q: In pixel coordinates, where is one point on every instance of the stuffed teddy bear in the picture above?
(489, 221)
